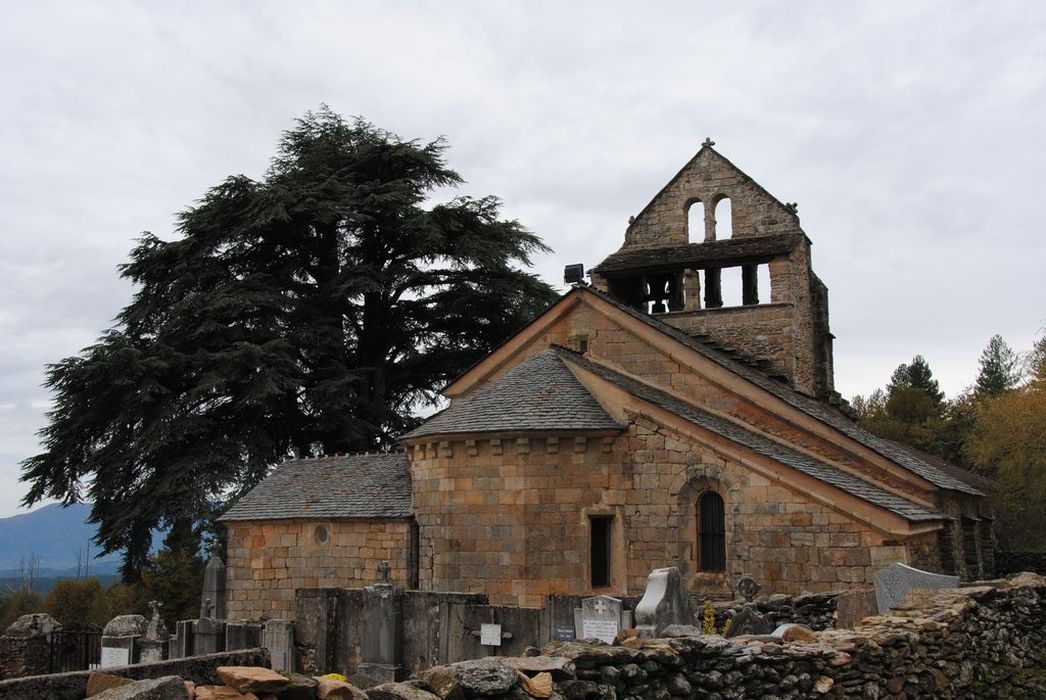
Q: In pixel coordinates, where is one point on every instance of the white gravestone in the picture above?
(600, 618)
(115, 656)
(490, 635)
(899, 583)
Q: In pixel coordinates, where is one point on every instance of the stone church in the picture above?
(678, 410)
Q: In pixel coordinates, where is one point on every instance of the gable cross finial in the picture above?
(792, 207)
(708, 142)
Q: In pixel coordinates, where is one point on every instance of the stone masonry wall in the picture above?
(979, 642)
(611, 344)
(703, 182)
(510, 518)
(268, 560)
(759, 333)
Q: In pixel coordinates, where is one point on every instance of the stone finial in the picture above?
(708, 142)
(747, 587)
(792, 207)
(383, 572)
(631, 220)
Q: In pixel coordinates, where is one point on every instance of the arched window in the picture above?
(711, 533)
(695, 221)
(724, 219)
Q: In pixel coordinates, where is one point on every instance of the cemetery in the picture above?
(643, 494)
(917, 635)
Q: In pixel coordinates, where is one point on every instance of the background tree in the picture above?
(911, 410)
(1008, 444)
(1000, 369)
(76, 601)
(311, 311)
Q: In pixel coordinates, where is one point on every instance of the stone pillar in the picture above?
(26, 644)
(382, 625)
(750, 285)
(214, 586)
(713, 288)
(691, 290)
(278, 638)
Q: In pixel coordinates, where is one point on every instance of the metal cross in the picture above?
(600, 606)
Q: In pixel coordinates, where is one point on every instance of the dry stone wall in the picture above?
(985, 641)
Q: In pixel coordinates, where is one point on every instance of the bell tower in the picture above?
(709, 223)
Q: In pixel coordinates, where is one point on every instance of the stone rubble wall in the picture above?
(72, 685)
(985, 641)
(23, 656)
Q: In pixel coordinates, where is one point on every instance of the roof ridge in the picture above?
(823, 413)
(827, 473)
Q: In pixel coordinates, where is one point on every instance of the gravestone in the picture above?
(153, 643)
(209, 633)
(184, 640)
(748, 621)
(664, 603)
(242, 635)
(600, 618)
(382, 625)
(120, 640)
(899, 583)
(853, 606)
(214, 586)
(278, 638)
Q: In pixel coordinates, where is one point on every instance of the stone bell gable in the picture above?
(699, 188)
(681, 261)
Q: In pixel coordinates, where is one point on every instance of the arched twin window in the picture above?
(711, 532)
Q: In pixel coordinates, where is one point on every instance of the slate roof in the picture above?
(815, 409)
(344, 486)
(740, 250)
(540, 393)
(799, 461)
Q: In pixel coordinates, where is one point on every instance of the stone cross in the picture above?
(383, 571)
(708, 142)
(747, 587)
(206, 609)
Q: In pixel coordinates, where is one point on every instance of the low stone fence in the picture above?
(1007, 563)
(73, 686)
(984, 641)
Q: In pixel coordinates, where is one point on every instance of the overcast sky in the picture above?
(910, 133)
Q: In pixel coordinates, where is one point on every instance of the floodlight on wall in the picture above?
(574, 274)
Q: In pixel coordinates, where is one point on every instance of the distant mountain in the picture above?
(53, 534)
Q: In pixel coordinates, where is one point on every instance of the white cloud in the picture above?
(909, 133)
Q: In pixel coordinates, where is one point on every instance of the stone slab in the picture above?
(899, 584)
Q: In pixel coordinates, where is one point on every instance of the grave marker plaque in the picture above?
(899, 583)
(600, 618)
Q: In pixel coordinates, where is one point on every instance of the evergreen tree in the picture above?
(1000, 369)
(911, 410)
(1035, 362)
(310, 311)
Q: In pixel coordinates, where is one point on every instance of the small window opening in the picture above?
(732, 285)
(724, 219)
(664, 293)
(711, 544)
(320, 534)
(763, 277)
(695, 222)
(600, 528)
